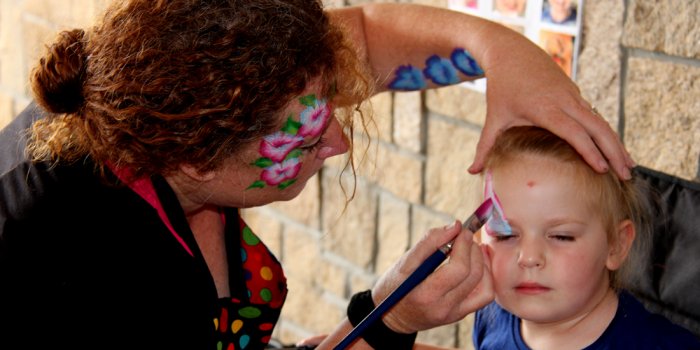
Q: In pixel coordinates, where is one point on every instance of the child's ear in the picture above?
(195, 174)
(621, 246)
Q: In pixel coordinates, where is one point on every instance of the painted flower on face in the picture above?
(278, 145)
(279, 173)
(314, 118)
(280, 151)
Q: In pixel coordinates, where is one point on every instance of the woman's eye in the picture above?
(314, 146)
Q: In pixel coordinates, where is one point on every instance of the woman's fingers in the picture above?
(583, 128)
(483, 293)
(440, 298)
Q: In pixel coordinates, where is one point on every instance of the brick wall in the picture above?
(639, 64)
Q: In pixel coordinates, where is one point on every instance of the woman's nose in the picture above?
(336, 141)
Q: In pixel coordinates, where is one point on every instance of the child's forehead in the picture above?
(582, 184)
(531, 172)
(535, 166)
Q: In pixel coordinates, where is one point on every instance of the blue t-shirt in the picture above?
(633, 327)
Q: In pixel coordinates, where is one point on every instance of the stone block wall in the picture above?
(639, 64)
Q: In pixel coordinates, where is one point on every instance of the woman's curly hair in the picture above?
(159, 83)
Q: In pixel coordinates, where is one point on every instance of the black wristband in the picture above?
(377, 335)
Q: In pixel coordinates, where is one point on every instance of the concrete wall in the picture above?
(639, 64)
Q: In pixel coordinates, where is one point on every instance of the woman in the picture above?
(121, 187)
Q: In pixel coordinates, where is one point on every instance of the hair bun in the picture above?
(57, 81)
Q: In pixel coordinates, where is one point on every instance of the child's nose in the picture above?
(531, 254)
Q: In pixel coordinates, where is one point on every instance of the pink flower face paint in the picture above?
(280, 153)
(278, 173)
(313, 119)
(497, 225)
(278, 145)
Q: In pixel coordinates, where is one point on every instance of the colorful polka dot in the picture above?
(243, 342)
(266, 273)
(266, 295)
(249, 237)
(236, 326)
(249, 312)
(224, 320)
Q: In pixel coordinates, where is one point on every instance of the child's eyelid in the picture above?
(504, 235)
(501, 237)
(561, 234)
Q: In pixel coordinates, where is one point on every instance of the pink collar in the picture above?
(144, 188)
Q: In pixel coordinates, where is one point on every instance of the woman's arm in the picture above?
(525, 87)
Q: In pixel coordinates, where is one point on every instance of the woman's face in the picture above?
(277, 167)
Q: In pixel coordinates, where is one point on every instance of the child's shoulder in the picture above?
(633, 327)
(496, 328)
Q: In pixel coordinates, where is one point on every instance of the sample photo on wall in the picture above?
(554, 25)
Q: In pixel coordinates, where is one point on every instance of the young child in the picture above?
(559, 277)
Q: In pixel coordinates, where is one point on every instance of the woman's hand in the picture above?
(455, 289)
(530, 89)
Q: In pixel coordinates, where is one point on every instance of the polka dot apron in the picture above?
(247, 318)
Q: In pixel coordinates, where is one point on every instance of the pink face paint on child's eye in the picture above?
(497, 223)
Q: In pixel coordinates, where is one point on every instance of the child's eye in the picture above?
(561, 237)
(502, 236)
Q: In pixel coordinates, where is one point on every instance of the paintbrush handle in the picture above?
(425, 269)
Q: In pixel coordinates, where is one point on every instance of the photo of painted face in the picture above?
(560, 47)
(561, 12)
(511, 8)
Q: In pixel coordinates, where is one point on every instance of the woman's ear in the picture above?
(195, 174)
(621, 246)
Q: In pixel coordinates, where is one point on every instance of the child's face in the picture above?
(554, 266)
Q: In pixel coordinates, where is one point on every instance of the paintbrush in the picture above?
(473, 224)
